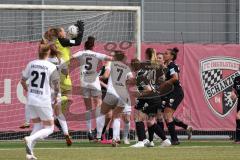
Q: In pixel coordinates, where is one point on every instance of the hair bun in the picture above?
(175, 49)
(91, 39)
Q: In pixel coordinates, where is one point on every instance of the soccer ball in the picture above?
(72, 31)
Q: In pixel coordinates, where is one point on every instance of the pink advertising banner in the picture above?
(206, 76)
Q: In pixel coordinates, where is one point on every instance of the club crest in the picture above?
(217, 75)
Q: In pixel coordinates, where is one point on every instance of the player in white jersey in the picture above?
(117, 96)
(108, 117)
(60, 120)
(90, 84)
(41, 75)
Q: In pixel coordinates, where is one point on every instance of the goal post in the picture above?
(21, 28)
(136, 9)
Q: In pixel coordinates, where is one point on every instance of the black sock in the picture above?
(150, 133)
(110, 133)
(104, 129)
(103, 132)
(238, 130)
(158, 130)
(140, 129)
(179, 123)
(161, 124)
(172, 132)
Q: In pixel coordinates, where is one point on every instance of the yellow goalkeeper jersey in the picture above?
(65, 81)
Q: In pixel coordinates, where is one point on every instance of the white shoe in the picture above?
(28, 145)
(145, 141)
(31, 157)
(150, 144)
(166, 143)
(140, 144)
(126, 141)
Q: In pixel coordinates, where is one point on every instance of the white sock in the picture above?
(126, 130)
(36, 127)
(100, 124)
(63, 123)
(116, 129)
(27, 114)
(89, 121)
(43, 133)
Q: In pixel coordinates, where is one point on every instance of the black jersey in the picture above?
(236, 85)
(149, 74)
(102, 71)
(171, 69)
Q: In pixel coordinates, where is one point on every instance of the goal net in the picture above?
(20, 32)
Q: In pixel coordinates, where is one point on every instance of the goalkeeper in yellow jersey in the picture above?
(59, 37)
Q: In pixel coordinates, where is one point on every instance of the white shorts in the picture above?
(127, 110)
(44, 113)
(91, 92)
(113, 100)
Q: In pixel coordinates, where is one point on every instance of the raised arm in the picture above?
(75, 41)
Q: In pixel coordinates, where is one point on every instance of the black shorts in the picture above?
(149, 106)
(104, 91)
(173, 99)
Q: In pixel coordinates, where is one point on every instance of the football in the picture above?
(72, 31)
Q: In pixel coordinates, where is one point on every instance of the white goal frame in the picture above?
(136, 9)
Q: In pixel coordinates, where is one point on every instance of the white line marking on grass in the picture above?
(80, 148)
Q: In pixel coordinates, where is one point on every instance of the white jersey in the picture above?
(119, 74)
(88, 67)
(40, 74)
(59, 63)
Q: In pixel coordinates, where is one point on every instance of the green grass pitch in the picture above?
(57, 150)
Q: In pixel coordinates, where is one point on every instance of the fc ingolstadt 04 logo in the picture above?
(217, 75)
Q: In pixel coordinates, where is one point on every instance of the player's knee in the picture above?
(168, 118)
(150, 123)
(126, 121)
(138, 118)
(116, 115)
(50, 128)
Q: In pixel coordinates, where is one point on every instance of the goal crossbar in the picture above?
(136, 9)
(69, 7)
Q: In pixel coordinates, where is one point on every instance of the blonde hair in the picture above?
(43, 50)
(52, 34)
(152, 55)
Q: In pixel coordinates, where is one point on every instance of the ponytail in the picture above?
(152, 56)
(89, 44)
(174, 53)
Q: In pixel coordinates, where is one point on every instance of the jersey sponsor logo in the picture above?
(217, 75)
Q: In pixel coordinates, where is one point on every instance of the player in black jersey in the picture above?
(149, 79)
(160, 118)
(171, 101)
(234, 95)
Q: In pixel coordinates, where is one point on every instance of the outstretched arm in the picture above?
(75, 41)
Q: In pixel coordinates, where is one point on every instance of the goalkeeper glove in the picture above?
(80, 25)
